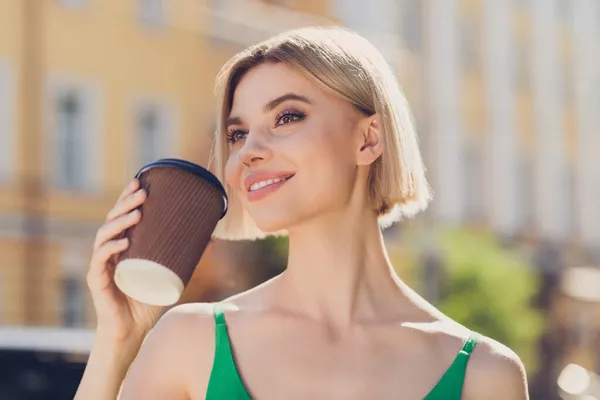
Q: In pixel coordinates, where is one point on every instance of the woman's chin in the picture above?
(271, 221)
(271, 226)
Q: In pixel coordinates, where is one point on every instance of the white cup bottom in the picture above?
(148, 282)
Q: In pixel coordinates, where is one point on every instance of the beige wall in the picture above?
(104, 46)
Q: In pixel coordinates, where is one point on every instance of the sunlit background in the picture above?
(506, 99)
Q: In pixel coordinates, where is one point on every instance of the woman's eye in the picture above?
(288, 117)
(235, 135)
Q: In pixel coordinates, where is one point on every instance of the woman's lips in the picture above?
(263, 188)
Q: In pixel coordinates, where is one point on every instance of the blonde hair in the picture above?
(347, 65)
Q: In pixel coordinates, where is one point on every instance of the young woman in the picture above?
(315, 141)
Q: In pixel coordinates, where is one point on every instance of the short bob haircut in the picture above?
(347, 65)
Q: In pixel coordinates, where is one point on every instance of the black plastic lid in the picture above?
(191, 168)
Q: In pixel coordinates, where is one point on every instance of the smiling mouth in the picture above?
(268, 182)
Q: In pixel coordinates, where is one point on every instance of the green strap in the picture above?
(225, 382)
(219, 315)
(469, 345)
(450, 387)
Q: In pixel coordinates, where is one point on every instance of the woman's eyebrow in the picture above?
(288, 96)
(270, 106)
(232, 121)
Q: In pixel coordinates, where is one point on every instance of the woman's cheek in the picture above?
(232, 172)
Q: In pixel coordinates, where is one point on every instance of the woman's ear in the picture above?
(371, 146)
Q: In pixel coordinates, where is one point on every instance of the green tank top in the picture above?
(225, 381)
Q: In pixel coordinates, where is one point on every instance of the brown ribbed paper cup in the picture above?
(181, 211)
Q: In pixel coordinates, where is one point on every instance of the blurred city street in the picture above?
(506, 101)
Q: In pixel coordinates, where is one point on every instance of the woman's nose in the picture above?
(254, 150)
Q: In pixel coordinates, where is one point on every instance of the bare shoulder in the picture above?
(186, 329)
(495, 372)
(184, 323)
(176, 356)
(184, 315)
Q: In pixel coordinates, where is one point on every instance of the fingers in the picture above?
(130, 188)
(107, 244)
(99, 264)
(126, 204)
(116, 227)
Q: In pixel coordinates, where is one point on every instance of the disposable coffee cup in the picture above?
(183, 206)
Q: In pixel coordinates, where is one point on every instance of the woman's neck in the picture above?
(338, 272)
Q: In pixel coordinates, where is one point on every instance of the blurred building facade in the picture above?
(506, 97)
(89, 92)
(505, 93)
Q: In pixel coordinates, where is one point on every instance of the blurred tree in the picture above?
(480, 284)
(269, 258)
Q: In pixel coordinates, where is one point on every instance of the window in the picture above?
(73, 3)
(526, 191)
(7, 132)
(73, 133)
(70, 141)
(154, 133)
(520, 65)
(150, 136)
(152, 12)
(563, 11)
(570, 212)
(469, 44)
(411, 24)
(473, 182)
(284, 3)
(73, 302)
(565, 82)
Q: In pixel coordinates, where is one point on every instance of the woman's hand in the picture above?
(119, 317)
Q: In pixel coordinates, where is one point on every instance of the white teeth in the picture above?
(262, 184)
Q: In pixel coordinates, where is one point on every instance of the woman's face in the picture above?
(293, 147)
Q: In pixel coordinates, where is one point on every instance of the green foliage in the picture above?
(276, 247)
(271, 257)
